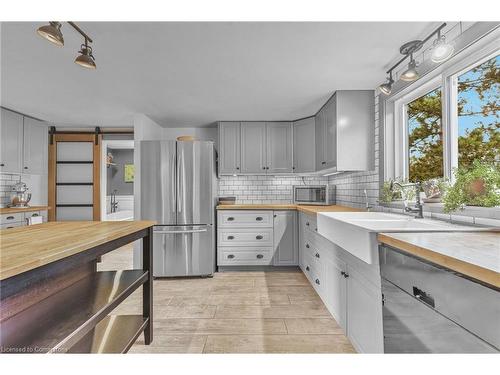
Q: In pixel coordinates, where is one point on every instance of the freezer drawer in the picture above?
(245, 237)
(183, 250)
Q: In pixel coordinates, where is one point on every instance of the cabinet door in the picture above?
(364, 314)
(285, 239)
(35, 149)
(320, 130)
(253, 147)
(301, 239)
(279, 150)
(336, 285)
(330, 151)
(304, 154)
(11, 141)
(229, 147)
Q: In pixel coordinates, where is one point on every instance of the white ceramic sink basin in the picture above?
(356, 232)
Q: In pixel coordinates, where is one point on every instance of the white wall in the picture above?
(145, 129)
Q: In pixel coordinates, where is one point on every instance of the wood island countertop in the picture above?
(473, 254)
(26, 248)
(14, 210)
(309, 209)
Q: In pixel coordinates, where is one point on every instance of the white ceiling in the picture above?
(192, 74)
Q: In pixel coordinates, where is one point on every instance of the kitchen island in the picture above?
(54, 300)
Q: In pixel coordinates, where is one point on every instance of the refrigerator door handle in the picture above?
(172, 193)
(180, 194)
(180, 231)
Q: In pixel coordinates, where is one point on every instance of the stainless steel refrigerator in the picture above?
(178, 191)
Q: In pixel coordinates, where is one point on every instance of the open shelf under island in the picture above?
(53, 299)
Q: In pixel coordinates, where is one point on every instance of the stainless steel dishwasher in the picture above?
(429, 309)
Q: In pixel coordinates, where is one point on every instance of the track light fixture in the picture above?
(85, 59)
(52, 32)
(441, 51)
(386, 87)
(411, 73)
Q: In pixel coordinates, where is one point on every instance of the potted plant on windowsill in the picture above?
(478, 185)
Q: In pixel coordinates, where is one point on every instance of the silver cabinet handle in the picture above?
(230, 218)
(259, 218)
(307, 245)
(35, 214)
(316, 255)
(317, 281)
(307, 223)
(346, 275)
(259, 237)
(2, 165)
(307, 268)
(9, 218)
(230, 237)
(260, 256)
(230, 256)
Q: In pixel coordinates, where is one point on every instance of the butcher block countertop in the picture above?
(309, 209)
(26, 248)
(473, 254)
(14, 210)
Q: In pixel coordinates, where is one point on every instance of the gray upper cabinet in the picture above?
(11, 142)
(304, 154)
(279, 148)
(320, 137)
(229, 147)
(286, 251)
(253, 147)
(35, 149)
(355, 130)
(340, 137)
(345, 132)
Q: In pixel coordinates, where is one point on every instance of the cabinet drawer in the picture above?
(245, 237)
(316, 276)
(242, 256)
(311, 224)
(247, 219)
(12, 218)
(12, 225)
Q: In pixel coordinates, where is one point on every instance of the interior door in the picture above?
(195, 174)
(158, 181)
(74, 177)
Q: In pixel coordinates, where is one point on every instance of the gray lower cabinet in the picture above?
(364, 313)
(336, 285)
(304, 154)
(279, 147)
(35, 147)
(11, 141)
(229, 147)
(346, 287)
(253, 147)
(256, 238)
(285, 239)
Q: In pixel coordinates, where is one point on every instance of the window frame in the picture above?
(393, 107)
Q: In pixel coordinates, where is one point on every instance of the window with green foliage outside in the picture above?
(425, 137)
(478, 100)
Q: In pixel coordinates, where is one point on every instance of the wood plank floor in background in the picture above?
(234, 312)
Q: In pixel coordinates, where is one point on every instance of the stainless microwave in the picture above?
(314, 194)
